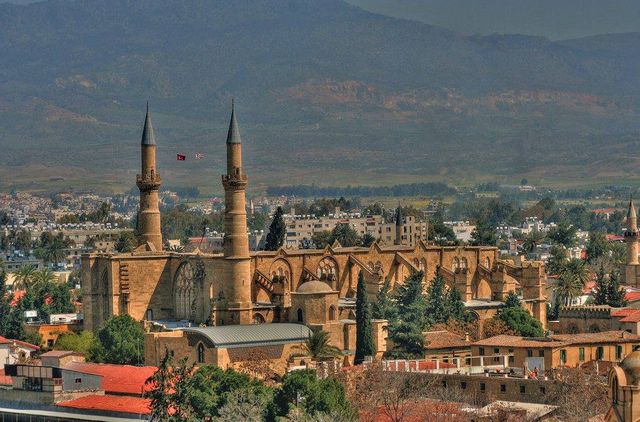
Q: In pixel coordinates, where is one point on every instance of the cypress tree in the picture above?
(364, 331)
(384, 306)
(436, 306)
(616, 292)
(602, 288)
(406, 331)
(455, 306)
(277, 231)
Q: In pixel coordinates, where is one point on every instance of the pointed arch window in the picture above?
(200, 353)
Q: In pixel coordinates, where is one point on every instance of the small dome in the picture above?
(631, 366)
(314, 286)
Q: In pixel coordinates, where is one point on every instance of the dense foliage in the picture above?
(277, 232)
(364, 329)
(120, 340)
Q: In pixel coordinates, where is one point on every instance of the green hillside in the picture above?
(326, 93)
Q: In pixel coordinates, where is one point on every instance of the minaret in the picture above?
(399, 226)
(237, 263)
(631, 235)
(149, 184)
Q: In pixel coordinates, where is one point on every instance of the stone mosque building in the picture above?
(315, 288)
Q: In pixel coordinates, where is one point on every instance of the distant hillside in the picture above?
(326, 93)
(554, 19)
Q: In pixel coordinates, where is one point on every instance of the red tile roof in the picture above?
(632, 296)
(445, 340)
(559, 340)
(24, 344)
(118, 379)
(108, 403)
(624, 312)
(635, 317)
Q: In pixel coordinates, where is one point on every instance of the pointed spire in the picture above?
(148, 137)
(399, 217)
(632, 209)
(233, 136)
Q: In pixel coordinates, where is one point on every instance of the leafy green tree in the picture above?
(126, 242)
(277, 231)
(484, 234)
(597, 246)
(563, 234)
(557, 259)
(521, 321)
(170, 391)
(601, 291)
(81, 343)
(120, 341)
(512, 300)
(364, 329)
(321, 239)
(212, 387)
(384, 307)
(318, 346)
(455, 307)
(314, 396)
(405, 331)
(436, 307)
(615, 291)
(345, 235)
(440, 232)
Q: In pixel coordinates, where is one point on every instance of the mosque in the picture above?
(312, 287)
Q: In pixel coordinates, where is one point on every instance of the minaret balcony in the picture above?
(148, 182)
(234, 181)
(629, 233)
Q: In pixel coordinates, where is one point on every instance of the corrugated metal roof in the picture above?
(230, 336)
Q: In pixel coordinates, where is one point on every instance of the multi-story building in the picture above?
(302, 228)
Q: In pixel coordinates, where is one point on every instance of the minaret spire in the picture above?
(233, 135)
(149, 182)
(148, 137)
(631, 237)
(237, 306)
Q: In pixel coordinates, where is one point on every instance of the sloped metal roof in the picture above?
(230, 336)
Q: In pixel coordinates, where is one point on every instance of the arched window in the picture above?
(487, 262)
(332, 313)
(300, 319)
(185, 291)
(327, 269)
(200, 353)
(463, 263)
(456, 265)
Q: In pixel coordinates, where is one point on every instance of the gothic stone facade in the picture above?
(151, 285)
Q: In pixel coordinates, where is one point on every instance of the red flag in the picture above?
(181, 157)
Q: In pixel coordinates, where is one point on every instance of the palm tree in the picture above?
(569, 286)
(23, 278)
(44, 277)
(54, 252)
(531, 241)
(319, 347)
(578, 268)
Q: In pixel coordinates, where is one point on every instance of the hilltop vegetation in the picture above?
(326, 93)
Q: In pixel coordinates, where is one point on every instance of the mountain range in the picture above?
(326, 93)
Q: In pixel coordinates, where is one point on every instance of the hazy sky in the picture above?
(555, 19)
